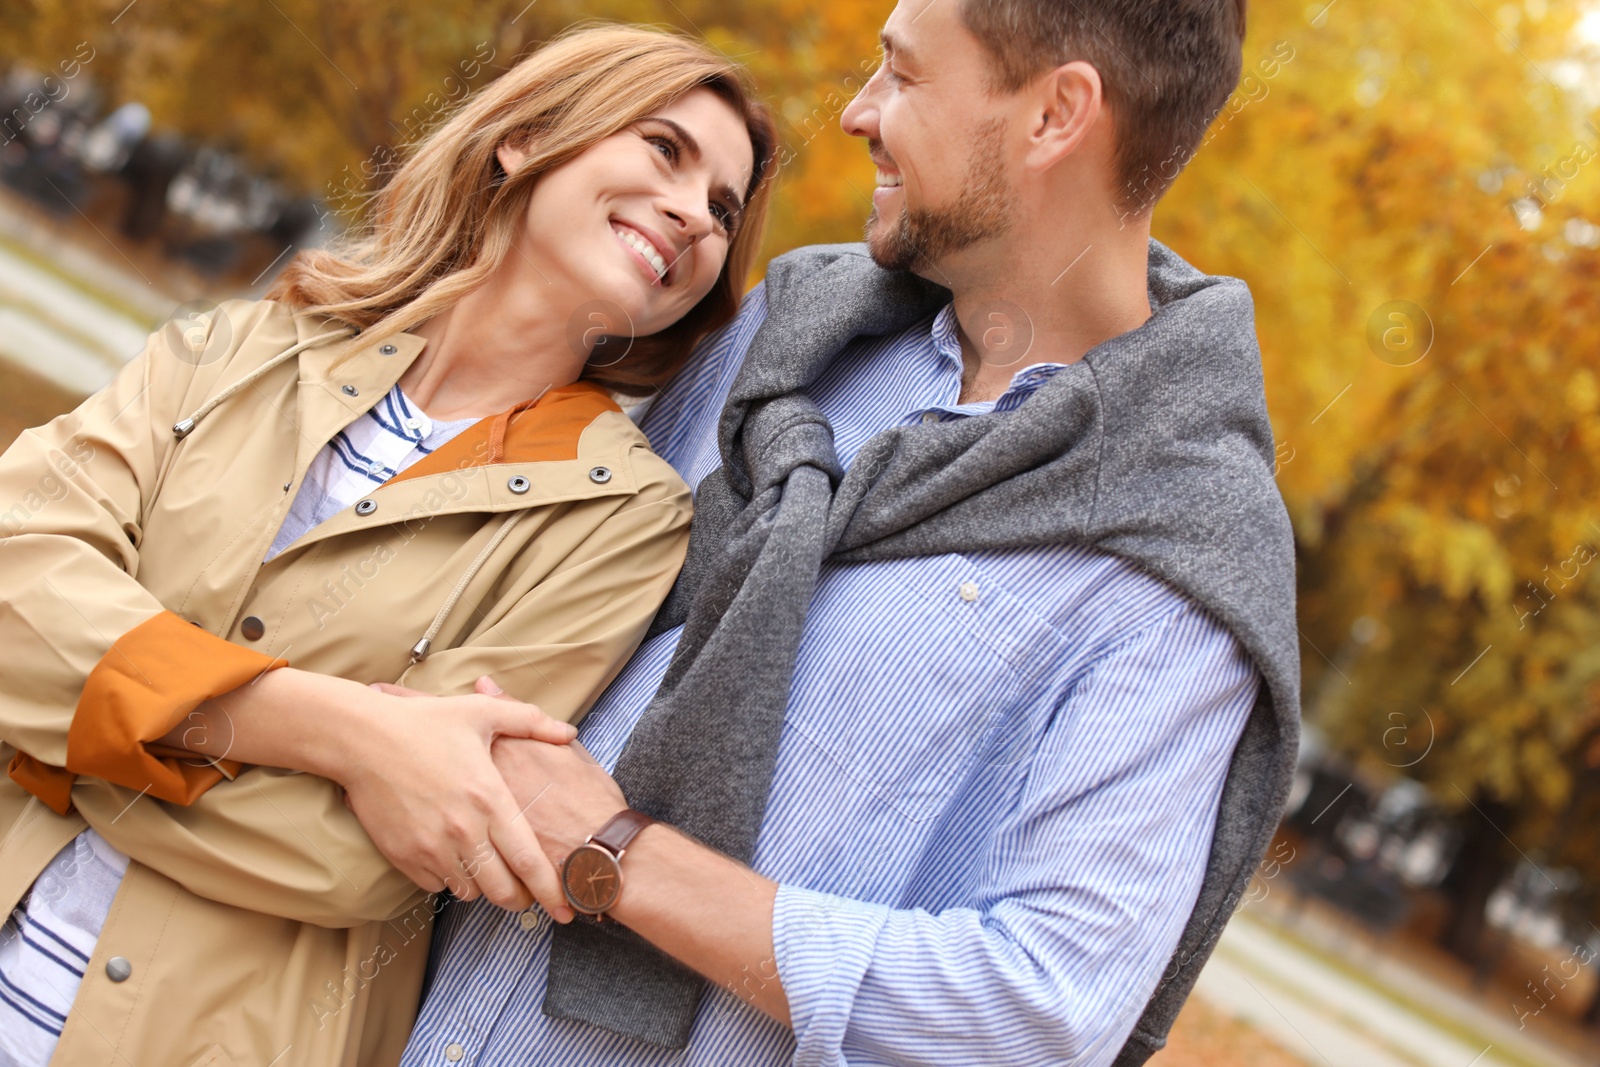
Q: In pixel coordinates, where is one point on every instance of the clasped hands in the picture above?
(483, 795)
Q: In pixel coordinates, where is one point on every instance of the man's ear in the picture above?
(1069, 102)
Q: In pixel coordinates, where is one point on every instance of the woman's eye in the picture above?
(666, 146)
(722, 214)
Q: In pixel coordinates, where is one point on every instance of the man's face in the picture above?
(939, 139)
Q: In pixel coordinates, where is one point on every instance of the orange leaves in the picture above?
(1449, 496)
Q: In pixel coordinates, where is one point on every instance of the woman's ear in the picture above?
(511, 157)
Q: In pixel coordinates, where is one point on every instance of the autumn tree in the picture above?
(325, 94)
(1411, 194)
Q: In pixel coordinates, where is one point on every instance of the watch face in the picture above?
(592, 879)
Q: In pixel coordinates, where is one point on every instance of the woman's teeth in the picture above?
(889, 181)
(645, 249)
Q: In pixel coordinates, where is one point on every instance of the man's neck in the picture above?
(1021, 302)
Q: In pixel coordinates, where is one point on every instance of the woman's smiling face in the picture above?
(644, 218)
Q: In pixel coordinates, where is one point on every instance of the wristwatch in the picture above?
(591, 877)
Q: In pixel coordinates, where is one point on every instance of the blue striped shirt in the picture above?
(993, 801)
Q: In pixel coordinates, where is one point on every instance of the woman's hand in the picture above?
(428, 793)
(416, 769)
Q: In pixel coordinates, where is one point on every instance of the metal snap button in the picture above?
(118, 969)
(366, 507)
(253, 628)
(388, 350)
(600, 475)
(519, 485)
(351, 390)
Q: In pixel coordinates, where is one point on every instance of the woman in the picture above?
(403, 467)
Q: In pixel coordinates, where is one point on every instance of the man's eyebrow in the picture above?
(896, 49)
(692, 146)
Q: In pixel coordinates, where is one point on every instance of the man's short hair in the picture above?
(1168, 66)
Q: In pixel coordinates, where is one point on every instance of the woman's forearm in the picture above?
(416, 768)
(288, 718)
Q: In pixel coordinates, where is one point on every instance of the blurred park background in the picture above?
(1413, 194)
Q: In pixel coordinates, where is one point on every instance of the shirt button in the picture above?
(118, 969)
(413, 423)
(969, 591)
(929, 418)
(454, 1052)
(528, 920)
(375, 468)
(253, 628)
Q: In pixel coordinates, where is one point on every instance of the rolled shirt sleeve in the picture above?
(1088, 883)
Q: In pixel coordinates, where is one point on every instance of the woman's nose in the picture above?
(690, 223)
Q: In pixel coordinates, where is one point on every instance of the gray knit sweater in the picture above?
(1155, 448)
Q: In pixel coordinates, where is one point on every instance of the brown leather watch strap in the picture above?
(620, 830)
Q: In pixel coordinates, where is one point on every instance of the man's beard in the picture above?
(983, 211)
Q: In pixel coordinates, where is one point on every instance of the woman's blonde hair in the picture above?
(450, 214)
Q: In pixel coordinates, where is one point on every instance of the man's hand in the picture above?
(560, 789)
(701, 907)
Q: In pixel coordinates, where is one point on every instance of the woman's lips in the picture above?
(636, 252)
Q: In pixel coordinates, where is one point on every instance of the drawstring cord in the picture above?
(419, 651)
(186, 427)
(497, 439)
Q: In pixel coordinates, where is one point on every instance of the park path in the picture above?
(71, 314)
(1390, 1015)
(74, 314)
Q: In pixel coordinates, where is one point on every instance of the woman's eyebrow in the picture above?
(692, 146)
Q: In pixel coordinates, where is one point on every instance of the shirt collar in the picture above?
(947, 346)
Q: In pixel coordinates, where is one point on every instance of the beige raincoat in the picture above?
(261, 924)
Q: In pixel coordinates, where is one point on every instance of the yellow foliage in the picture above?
(1412, 192)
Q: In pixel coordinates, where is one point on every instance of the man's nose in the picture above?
(860, 118)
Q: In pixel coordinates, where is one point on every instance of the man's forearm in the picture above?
(707, 911)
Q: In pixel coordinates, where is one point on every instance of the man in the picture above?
(990, 588)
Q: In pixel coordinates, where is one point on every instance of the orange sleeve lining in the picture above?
(153, 676)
